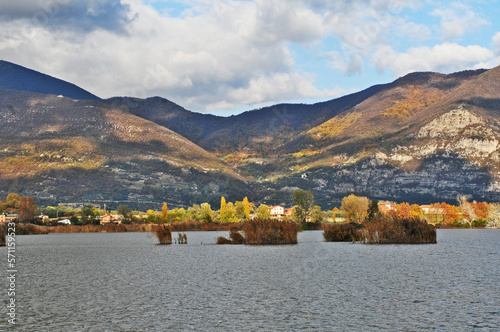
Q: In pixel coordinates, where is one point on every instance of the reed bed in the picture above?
(27, 229)
(109, 228)
(235, 237)
(182, 239)
(341, 233)
(397, 230)
(201, 226)
(3, 235)
(270, 231)
(163, 233)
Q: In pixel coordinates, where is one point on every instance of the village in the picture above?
(353, 209)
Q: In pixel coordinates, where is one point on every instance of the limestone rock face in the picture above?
(450, 124)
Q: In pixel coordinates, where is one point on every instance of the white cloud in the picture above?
(458, 20)
(447, 57)
(347, 63)
(496, 44)
(222, 53)
(413, 31)
(232, 55)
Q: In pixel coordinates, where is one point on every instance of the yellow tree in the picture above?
(164, 213)
(263, 212)
(416, 211)
(223, 209)
(246, 208)
(354, 208)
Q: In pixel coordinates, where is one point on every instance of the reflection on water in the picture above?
(125, 282)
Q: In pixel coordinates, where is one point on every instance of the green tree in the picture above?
(194, 212)
(373, 210)
(27, 208)
(206, 213)
(316, 214)
(74, 220)
(304, 199)
(124, 211)
(263, 212)
(298, 214)
(87, 211)
(13, 201)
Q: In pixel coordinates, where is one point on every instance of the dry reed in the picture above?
(341, 233)
(163, 233)
(3, 235)
(270, 231)
(399, 231)
(235, 237)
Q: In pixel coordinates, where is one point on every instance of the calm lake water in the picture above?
(125, 282)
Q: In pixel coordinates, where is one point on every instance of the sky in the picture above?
(225, 56)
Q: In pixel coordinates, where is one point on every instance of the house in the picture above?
(5, 218)
(425, 208)
(111, 219)
(288, 212)
(276, 211)
(386, 206)
(43, 217)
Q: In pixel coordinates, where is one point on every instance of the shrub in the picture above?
(270, 231)
(341, 233)
(163, 233)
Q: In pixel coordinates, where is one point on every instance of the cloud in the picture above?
(74, 14)
(207, 55)
(446, 57)
(458, 20)
(200, 60)
(413, 31)
(347, 63)
(496, 44)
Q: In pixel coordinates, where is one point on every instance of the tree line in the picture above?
(352, 209)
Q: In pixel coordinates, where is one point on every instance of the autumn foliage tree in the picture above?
(246, 208)
(27, 208)
(223, 209)
(164, 213)
(355, 208)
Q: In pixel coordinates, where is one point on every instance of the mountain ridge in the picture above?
(19, 78)
(390, 141)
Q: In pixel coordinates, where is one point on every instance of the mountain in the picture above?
(258, 131)
(427, 137)
(59, 149)
(423, 138)
(15, 77)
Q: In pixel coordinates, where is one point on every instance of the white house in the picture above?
(276, 211)
(65, 221)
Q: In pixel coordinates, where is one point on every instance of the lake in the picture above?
(125, 282)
